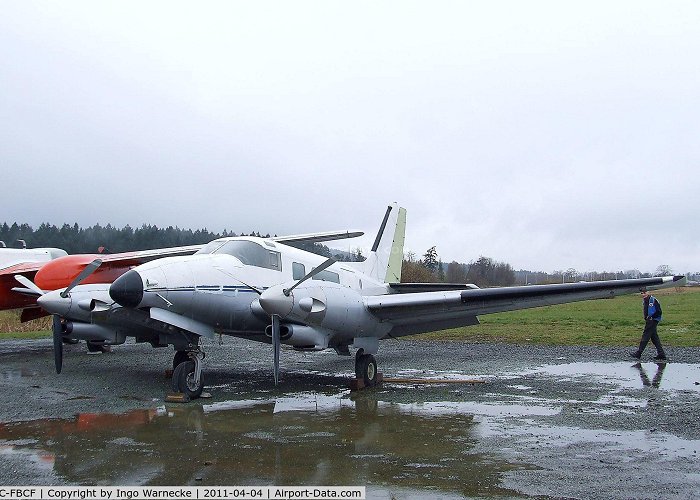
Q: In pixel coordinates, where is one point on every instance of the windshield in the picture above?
(210, 247)
(250, 254)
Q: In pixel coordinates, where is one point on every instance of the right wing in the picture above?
(411, 313)
(59, 273)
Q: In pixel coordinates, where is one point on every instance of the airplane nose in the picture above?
(127, 290)
(53, 303)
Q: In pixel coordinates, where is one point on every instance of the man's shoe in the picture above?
(636, 354)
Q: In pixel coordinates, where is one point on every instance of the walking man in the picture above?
(652, 316)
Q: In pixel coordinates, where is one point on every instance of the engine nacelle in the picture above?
(302, 337)
(98, 333)
(323, 305)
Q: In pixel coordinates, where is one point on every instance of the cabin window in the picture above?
(327, 276)
(298, 271)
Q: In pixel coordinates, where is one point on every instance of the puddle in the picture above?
(16, 374)
(664, 376)
(333, 439)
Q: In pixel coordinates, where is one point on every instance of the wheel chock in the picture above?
(177, 397)
(357, 384)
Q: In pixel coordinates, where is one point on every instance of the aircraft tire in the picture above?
(180, 357)
(366, 369)
(183, 380)
(96, 347)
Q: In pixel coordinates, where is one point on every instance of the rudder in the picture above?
(386, 257)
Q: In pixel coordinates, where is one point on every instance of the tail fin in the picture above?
(385, 258)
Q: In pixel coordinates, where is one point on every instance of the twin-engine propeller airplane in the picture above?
(264, 290)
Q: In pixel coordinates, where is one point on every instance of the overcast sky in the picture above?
(549, 135)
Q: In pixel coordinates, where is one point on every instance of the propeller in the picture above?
(276, 346)
(31, 288)
(57, 342)
(89, 269)
(276, 335)
(329, 262)
(56, 326)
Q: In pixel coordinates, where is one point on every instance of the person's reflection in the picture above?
(656, 381)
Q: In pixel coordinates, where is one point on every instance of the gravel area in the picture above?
(572, 422)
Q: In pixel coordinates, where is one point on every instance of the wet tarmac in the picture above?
(547, 422)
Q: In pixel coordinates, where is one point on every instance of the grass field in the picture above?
(610, 322)
(594, 322)
(12, 328)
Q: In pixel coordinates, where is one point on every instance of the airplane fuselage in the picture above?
(218, 289)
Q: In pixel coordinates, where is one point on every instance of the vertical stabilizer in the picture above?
(385, 258)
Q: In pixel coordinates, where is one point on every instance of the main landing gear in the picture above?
(366, 368)
(187, 373)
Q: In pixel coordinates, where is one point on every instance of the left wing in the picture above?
(412, 313)
(317, 237)
(429, 287)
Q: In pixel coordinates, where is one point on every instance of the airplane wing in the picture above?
(412, 313)
(429, 287)
(25, 267)
(58, 273)
(318, 237)
(142, 256)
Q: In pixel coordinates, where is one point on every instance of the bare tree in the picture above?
(663, 270)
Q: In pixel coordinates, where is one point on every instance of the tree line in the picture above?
(109, 239)
(484, 271)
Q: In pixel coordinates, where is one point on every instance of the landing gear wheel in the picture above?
(366, 369)
(180, 357)
(184, 380)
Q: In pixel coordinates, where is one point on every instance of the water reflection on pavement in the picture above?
(329, 439)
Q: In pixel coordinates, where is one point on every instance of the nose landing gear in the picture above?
(187, 375)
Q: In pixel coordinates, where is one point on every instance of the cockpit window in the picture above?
(251, 254)
(210, 247)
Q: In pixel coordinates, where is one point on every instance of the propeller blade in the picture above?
(89, 269)
(57, 343)
(276, 346)
(29, 284)
(329, 262)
